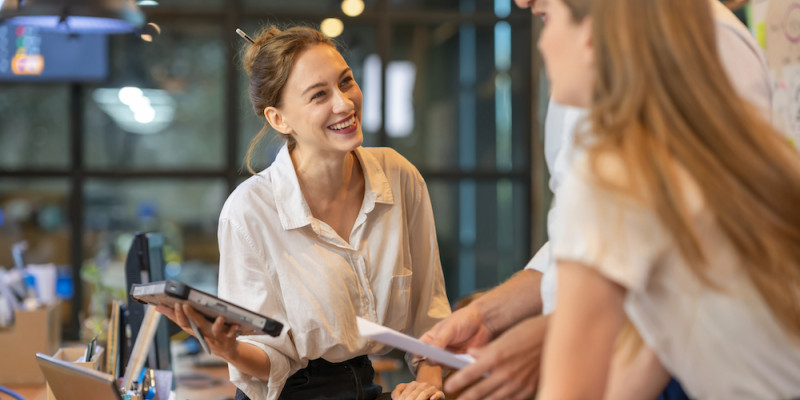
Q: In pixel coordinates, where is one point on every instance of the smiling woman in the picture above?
(321, 106)
(330, 231)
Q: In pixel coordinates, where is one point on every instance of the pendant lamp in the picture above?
(78, 16)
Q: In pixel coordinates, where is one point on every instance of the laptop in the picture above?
(72, 382)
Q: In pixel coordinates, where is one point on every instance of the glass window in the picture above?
(193, 5)
(34, 127)
(482, 232)
(457, 96)
(248, 121)
(184, 212)
(444, 5)
(164, 104)
(452, 94)
(35, 211)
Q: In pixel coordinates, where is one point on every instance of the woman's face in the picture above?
(321, 103)
(568, 56)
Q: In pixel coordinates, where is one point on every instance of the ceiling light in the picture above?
(91, 16)
(135, 110)
(332, 27)
(352, 8)
(149, 31)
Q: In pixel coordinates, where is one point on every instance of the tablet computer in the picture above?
(169, 292)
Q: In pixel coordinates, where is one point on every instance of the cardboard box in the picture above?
(74, 353)
(33, 332)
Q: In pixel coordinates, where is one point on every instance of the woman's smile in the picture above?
(345, 126)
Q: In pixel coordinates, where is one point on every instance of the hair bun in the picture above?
(251, 50)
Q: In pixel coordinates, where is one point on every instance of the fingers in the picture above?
(398, 390)
(177, 316)
(440, 335)
(438, 395)
(168, 312)
(222, 330)
(182, 315)
(416, 391)
(484, 362)
(499, 372)
(502, 384)
(492, 388)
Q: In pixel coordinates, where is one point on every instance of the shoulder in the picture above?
(586, 172)
(390, 161)
(386, 156)
(255, 193)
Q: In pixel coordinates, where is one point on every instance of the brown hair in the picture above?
(268, 62)
(662, 101)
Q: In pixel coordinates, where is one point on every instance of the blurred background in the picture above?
(147, 131)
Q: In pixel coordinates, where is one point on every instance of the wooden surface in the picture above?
(195, 383)
(204, 383)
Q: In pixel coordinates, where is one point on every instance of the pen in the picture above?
(199, 336)
(90, 349)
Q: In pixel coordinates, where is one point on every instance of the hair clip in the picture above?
(245, 36)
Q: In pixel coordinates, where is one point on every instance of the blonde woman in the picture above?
(693, 228)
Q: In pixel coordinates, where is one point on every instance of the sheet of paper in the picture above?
(414, 346)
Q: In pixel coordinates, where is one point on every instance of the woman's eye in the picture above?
(317, 95)
(347, 80)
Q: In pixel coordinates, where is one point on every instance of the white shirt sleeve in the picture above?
(614, 234)
(244, 280)
(541, 260)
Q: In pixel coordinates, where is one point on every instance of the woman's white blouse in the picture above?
(278, 260)
(720, 344)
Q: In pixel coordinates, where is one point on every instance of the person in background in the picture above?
(693, 231)
(738, 8)
(505, 328)
(330, 231)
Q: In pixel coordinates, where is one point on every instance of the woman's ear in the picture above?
(276, 121)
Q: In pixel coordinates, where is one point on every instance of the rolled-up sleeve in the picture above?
(246, 280)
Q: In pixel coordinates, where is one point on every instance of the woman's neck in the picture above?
(327, 179)
(326, 173)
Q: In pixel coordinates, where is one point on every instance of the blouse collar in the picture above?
(290, 203)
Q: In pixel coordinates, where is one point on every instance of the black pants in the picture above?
(323, 380)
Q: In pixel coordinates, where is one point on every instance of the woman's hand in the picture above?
(417, 390)
(221, 339)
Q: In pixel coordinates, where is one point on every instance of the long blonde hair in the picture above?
(661, 101)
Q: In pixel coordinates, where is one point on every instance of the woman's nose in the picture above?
(342, 102)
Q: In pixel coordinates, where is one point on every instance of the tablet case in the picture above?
(169, 291)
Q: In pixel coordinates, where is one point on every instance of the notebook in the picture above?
(72, 382)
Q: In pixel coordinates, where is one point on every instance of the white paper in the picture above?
(414, 346)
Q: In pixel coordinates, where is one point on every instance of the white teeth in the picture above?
(345, 124)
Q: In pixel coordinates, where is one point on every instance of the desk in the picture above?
(28, 392)
(202, 382)
(207, 383)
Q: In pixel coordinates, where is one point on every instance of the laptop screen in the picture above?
(68, 381)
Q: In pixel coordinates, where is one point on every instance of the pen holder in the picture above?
(71, 354)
